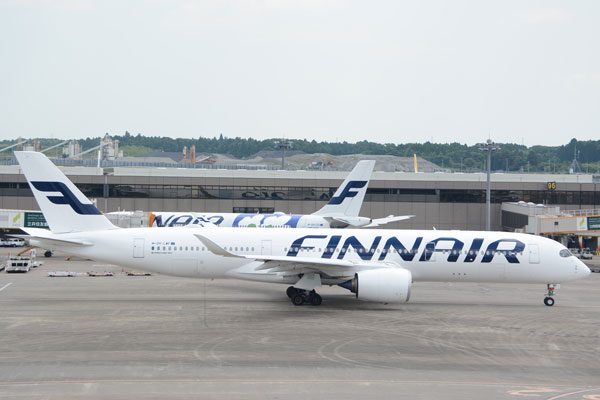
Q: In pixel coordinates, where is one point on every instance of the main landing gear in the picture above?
(301, 296)
(549, 300)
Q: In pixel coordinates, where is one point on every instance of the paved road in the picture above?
(161, 337)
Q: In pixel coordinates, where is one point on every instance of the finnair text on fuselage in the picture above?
(328, 246)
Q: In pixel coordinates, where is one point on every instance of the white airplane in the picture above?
(341, 211)
(376, 264)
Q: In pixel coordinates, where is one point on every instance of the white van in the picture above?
(15, 242)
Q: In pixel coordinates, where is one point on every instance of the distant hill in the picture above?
(453, 156)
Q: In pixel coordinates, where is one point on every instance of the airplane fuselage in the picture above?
(450, 256)
(162, 219)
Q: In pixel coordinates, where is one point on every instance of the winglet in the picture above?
(215, 248)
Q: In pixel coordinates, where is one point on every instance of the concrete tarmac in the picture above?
(157, 337)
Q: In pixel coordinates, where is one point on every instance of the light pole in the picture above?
(105, 192)
(488, 146)
(283, 145)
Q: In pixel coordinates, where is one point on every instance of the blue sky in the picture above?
(388, 71)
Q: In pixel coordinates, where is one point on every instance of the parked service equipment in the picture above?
(21, 264)
(61, 274)
(105, 273)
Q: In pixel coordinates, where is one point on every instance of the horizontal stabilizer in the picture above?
(45, 237)
(386, 220)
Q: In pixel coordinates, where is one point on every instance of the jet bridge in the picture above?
(567, 226)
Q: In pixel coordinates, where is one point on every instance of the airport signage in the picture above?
(593, 223)
(35, 220)
(551, 185)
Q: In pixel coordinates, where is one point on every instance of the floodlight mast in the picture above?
(488, 146)
(283, 145)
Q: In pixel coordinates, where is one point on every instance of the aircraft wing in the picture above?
(285, 265)
(388, 219)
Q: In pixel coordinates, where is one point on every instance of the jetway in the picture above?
(581, 226)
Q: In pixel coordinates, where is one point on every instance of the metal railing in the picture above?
(581, 213)
(122, 163)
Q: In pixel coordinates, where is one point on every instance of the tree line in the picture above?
(452, 156)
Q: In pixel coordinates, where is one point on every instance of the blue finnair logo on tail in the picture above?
(67, 197)
(348, 192)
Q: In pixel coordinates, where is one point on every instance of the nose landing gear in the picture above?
(549, 299)
(301, 296)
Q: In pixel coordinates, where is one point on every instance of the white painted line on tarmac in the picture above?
(5, 286)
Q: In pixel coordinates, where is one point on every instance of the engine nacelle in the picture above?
(386, 285)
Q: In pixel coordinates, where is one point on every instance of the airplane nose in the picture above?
(585, 271)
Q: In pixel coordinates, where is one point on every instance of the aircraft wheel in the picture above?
(315, 299)
(298, 299)
(47, 253)
(549, 301)
(291, 291)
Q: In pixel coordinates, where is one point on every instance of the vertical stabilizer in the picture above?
(349, 197)
(65, 208)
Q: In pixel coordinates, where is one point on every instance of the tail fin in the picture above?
(349, 197)
(65, 208)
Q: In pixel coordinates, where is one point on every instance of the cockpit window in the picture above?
(565, 253)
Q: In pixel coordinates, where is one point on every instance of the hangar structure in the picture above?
(441, 200)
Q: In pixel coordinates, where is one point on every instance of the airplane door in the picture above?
(138, 248)
(534, 253)
(265, 247)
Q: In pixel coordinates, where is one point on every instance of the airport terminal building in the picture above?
(440, 200)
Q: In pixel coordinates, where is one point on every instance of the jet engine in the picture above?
(386, 285)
